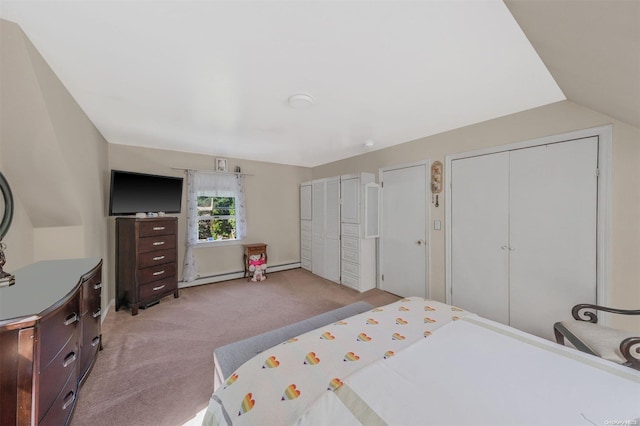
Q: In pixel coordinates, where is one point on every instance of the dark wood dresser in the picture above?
(146, 258)
(49, 339)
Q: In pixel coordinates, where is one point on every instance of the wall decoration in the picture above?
(436, 182)
(6, 279)
(436, 177)
(221, 165)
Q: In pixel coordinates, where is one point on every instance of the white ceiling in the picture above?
(214, 77)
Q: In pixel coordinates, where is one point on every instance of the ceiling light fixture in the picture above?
(300, 101)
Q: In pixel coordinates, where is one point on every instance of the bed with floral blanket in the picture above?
(418, 361)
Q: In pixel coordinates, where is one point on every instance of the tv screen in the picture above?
(133, 193)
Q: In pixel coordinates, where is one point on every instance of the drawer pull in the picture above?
(158, 243)
(69, 359)
(97, 286)
(159, 287)
(97, 313)
(158, 228)
(155, 274)
(95, 341)
(158, 258)
(71, 319)
(68, 400)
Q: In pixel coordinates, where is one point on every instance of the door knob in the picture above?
(420, 242)
(504, 247)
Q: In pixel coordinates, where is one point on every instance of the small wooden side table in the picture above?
(251, 249)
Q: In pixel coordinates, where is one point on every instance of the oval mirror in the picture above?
(6, 206)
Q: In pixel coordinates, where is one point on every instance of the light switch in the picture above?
(437, 225)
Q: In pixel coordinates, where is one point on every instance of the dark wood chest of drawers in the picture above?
(146, 258)
(45, 356)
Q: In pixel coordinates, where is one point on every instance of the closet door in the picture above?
(553, 205)
(332, 230)
(305, 202)
(350, 200)
(317, 227)
(480, 235)
(306, 225)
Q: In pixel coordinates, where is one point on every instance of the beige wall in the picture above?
(553, 119)
(272, 205)
(54, 159)
(57, 164)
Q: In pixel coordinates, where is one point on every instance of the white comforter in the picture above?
(476, 372)
(412, 363)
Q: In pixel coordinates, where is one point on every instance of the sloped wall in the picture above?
(53, 157)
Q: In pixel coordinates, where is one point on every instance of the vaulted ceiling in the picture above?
(215, 77)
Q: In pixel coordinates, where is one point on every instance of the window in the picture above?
(216, 218)
(215, 214)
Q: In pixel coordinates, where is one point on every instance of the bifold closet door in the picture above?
(480, 235)
(318, 227)
(553, 206)
(332, 230)
(523, 233)
(325, 228)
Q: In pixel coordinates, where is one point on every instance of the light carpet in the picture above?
(157, 367)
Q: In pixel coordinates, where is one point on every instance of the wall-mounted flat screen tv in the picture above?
(133, 193)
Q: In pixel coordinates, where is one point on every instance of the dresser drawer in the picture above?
(350, 255)
(57, 327)
(349, 268)
(306, 264)
(159, 242)
(350, 243)
(305, 242)
(62, 407)
(352, 282)
(53, 377)
(156, 273)
(157, 227)
(305, 225)
(351, 230)
(92, 292)
(153, 258)
(161, 287)
(306, 254)
(90, 341)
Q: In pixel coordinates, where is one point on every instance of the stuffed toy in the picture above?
(257, 267)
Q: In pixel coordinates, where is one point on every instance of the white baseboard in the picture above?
(106, 311)
(234, 275)
(213, 279)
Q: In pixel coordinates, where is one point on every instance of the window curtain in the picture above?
(222, 185)
(189, 270)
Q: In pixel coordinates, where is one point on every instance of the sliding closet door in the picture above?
(553, 205)
(480, 235)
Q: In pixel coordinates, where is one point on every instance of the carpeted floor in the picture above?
(157, 367)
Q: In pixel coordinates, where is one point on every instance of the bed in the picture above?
(418, 361)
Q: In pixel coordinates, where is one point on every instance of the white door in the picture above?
(332, 230)
(553, 205)
(305, 202)
(317, 227)
(523, 233)
(480, 235)
(350, 188)
(403, 240)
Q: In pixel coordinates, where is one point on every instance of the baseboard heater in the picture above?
(235, 275)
